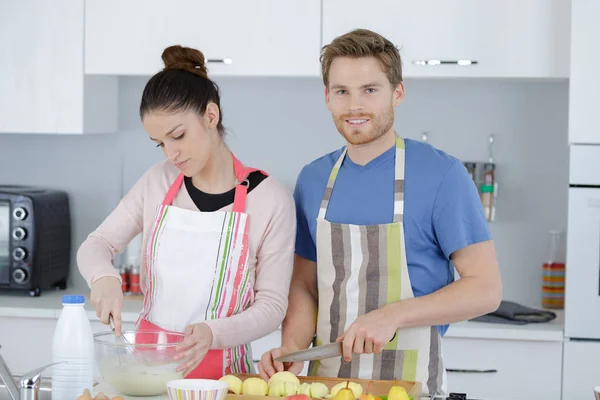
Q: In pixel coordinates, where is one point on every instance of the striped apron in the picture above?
(197, 270)
(360, 269)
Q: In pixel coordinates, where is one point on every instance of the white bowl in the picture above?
(197, 389)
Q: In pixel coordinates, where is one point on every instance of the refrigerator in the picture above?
(581, 351)
(581, 372)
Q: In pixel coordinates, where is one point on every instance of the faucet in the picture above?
(29, 384)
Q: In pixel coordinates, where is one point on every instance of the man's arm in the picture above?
(300, 324)
(478, 292)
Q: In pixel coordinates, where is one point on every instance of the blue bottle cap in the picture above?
(73, 299)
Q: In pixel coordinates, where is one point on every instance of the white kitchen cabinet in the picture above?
(27, 342)
(495, 369)
(584, 85)
(580, 370)
(249, 38)
(507, 38)
(42, 84)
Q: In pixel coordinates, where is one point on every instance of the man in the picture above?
(381, 222)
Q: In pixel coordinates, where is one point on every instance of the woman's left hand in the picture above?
(197, 342)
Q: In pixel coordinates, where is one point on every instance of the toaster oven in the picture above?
(35, 239)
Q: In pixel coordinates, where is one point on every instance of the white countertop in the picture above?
(49, 305)
(549, 331)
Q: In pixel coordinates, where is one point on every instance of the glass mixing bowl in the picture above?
(140, 363)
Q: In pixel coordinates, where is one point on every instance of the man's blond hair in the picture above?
(363, 43)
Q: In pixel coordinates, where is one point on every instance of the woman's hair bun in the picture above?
(185, 58)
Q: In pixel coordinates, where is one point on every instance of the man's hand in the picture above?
(267, 366)
(369, 333)
(197, 342)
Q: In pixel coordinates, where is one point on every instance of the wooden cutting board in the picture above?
(378, 387)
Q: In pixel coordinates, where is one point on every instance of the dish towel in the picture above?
(516, 314)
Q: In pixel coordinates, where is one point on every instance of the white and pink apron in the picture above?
(197, 270)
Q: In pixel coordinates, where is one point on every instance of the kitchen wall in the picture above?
(281, 124)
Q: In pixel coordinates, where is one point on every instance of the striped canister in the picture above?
(553, 275)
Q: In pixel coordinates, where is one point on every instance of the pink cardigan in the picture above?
(271, 239)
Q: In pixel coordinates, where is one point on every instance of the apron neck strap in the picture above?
(398, 182)
(168, 200)
(241, 188)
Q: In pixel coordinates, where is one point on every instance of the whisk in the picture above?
(125, 351)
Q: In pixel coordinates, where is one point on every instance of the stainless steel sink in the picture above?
(45, 392)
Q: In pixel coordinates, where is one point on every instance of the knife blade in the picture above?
(313, 353)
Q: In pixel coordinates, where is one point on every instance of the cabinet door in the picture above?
(27, 343)
(584, 85)
(42, 86)
(253, 38)
(41, 67)
(507, 38)
(583, 265)
(503, 369)
(580, 370)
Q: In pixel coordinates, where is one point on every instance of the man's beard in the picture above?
(362, 135)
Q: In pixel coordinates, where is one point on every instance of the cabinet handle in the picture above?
(473, 371)
(220, 60)
(445, 62)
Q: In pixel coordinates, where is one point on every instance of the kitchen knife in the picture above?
(313, 353)
(316, 353)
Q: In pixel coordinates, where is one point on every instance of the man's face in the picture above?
(361, 99)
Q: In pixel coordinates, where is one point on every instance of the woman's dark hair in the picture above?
(182, 85)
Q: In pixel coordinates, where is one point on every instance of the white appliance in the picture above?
(581, 351)
(582, 294)
(582, 298)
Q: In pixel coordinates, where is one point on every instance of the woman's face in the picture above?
(186, 138)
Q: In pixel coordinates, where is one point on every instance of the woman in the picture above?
(218, 236)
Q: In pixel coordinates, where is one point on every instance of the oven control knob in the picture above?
(19, 254)
(19, 233)
(19, 276)
(19, 213)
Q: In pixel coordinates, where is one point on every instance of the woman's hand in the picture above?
(268, 367)
(107, 299)
(197, 342)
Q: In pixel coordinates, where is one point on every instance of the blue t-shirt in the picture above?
(442, 208)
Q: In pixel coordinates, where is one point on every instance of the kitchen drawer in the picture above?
(580, 369)
(493, 369)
